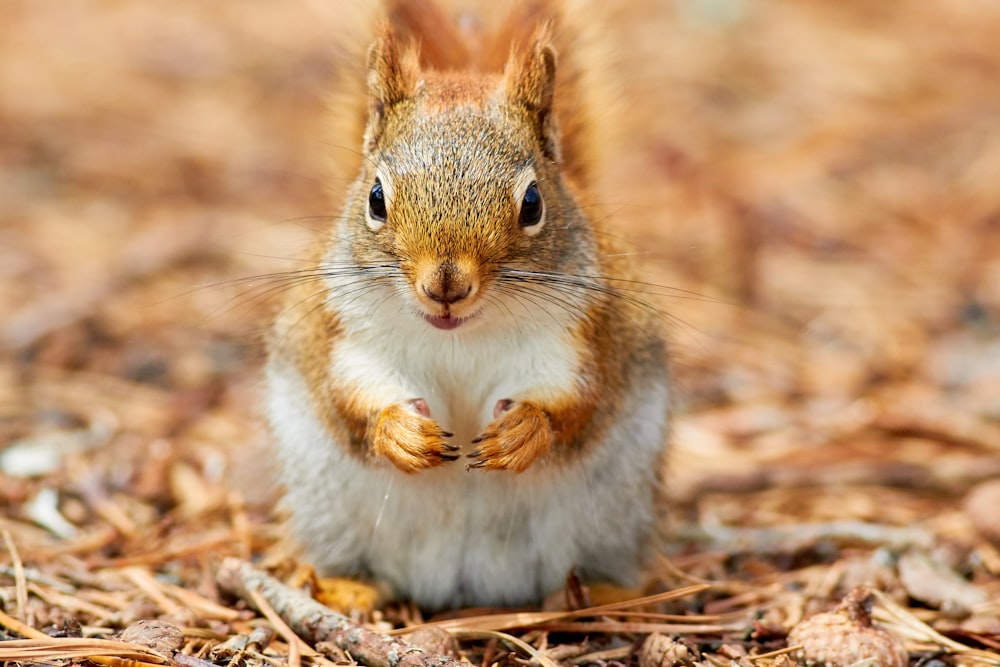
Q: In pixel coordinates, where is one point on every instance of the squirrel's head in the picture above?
(461, 179)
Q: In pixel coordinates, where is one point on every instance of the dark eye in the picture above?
(531, 207)
(376, 202)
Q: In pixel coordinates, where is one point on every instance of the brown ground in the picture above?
(823, 179)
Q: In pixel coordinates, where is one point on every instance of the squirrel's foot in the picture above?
(405, 434)
(518, 435)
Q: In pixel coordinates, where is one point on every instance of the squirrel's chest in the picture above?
(461, 375)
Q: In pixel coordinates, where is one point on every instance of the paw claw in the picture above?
(404, 434)
(519, 435)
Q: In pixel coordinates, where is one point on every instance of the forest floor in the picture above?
(815, 185)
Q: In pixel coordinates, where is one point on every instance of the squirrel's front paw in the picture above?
(405, 434)
(518, 435)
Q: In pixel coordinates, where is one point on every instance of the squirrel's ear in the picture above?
(530, 81)
(393, 73)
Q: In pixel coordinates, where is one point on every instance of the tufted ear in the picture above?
(393, 72)
(530, 82)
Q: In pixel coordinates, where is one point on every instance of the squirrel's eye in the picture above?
(531, 207)
(376, 202)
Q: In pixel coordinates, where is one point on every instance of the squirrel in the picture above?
(468, 399)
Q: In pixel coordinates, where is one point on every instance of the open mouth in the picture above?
(445, 322)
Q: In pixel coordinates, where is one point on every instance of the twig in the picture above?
(44, 648)
(115, 661)
(617, 627)
(33, 575)
(185, 660)
(208, 541)
(20, 584)
(619, 653)
(796, 536)
(317, 623)
(20, 628)
(904, 624)
(240, 523)
(147, 583)
(73, 603)
(544, 619)
(296, 647)
(536, 656)
(774, 654)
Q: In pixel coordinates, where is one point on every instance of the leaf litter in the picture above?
(818, 191)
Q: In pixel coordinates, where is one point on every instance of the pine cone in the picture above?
(662, 651)
(845, 635)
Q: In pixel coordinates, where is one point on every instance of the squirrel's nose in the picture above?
(449, 296)
(447, 285)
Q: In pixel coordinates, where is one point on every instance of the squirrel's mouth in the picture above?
(445, 322)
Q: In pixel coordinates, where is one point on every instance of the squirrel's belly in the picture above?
(450, 537)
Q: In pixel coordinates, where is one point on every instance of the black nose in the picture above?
(449, 285)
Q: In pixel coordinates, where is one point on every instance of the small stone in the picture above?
(436, 641)
(938, 585)
(164, 638)
(981, 507)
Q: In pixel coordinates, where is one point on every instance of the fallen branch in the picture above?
(316, 623)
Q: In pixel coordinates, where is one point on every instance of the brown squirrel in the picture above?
(468, 399)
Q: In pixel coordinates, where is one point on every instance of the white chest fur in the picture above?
(396, 356)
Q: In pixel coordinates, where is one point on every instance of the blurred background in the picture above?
(814, 187)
